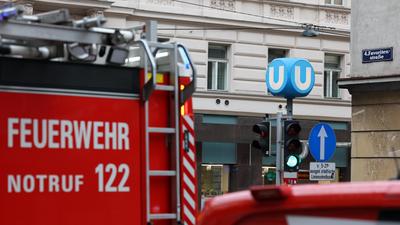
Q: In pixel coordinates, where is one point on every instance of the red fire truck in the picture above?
(96, 125)
(363, 203)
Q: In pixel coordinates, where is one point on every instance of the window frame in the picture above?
(286, 50)
(332, 2)
(215, 62)
(330, 70)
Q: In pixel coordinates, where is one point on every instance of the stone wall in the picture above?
(375, 135)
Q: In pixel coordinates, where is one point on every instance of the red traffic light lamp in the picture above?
(263, 130)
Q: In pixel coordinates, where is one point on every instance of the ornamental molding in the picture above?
(284, 12)
(223, 4)
(334, 17)
(161, 2)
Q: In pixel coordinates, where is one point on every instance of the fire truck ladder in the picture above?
(174, 130)
(171, 131)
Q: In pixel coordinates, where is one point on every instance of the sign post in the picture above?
(288, 78)
(322, 142)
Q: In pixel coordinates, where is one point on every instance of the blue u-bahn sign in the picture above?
(290, 77)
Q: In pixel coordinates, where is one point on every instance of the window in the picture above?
(217, 67)
(334, 2)
(331, 75)
(215, 179)
(219, 119)
(274, 53)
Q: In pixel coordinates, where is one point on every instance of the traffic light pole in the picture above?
(289, 108)
(279, 160)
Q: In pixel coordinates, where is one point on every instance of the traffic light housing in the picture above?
(262, 129)
(292, 146)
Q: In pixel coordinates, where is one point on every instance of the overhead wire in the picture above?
(299, 25)
(289, 28)
(231, 28)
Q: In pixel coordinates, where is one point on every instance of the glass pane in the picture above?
(217, 52)
(327, 81)
(211, 180)
(210, 75)
(335, 87)
(338, 2)
(219, 152)
(327, 1)
(219, 119)
(221, 77)
(276, 53)
(332, 61)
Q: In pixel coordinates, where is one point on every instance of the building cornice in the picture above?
(269, 98)
(305, 5)
(89, 4)
(373, 83)
(211, 21)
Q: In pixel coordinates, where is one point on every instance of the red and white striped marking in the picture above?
(189, 180)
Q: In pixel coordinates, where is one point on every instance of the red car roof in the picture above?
(230, 208)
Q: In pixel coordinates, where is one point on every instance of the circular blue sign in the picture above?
(290, 77)
(322, 142)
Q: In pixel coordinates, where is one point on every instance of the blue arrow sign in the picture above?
(322, 142)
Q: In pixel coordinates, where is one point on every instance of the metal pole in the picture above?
(289, 108)
(151, 31)
(278, 148)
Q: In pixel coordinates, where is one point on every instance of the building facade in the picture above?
(375, 86)
(231, 43)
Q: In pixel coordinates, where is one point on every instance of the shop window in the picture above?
(217, 74)
(219, 119)
(214, 179)
(332, 73)
(338, 125)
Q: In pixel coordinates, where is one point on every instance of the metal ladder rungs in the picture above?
(161, 87)
(162, 216)
(165, 173)
(165, 130)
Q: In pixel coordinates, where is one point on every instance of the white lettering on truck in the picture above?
(44, 183)
(63, 134)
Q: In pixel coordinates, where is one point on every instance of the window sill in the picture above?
(217, 91)
(333, 98)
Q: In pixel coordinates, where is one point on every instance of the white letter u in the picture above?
(302, 85)
(276, 85)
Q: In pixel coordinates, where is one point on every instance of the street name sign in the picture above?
(322, 171)
(377, 55)
(290, 77)
(322, 142)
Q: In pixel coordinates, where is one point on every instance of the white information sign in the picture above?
(322, 171)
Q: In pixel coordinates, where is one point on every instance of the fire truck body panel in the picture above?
(64, 128)
(72, 145)
(300, 204)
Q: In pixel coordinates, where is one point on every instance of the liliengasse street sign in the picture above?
(322, 142)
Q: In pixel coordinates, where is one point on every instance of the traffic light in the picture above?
(292, 146)
(262, 129)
